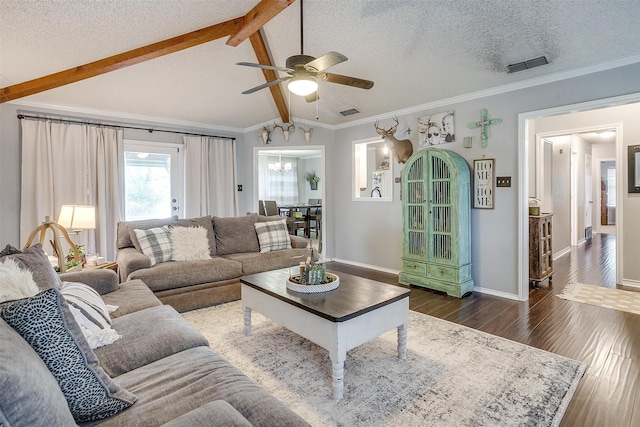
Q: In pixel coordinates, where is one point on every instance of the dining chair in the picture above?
(261, 210)
(315, 216)
(271, 208)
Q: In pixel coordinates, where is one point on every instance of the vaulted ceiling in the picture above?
(416, 52)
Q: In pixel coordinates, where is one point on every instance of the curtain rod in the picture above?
(150, 130)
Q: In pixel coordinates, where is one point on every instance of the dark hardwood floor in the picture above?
(607, 340)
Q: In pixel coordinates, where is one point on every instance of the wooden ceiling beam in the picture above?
(255, 19)
(260, 48)
(121, 60)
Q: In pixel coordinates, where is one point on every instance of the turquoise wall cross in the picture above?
(483, 124)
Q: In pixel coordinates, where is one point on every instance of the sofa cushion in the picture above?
(90, 312)
(155, 243)
(273, 235)
(182, 382)
(29, 394)
(189, 243)
(131, 296)
(15, 282)
(214, 414)
(171, 275)
(35, 260)
(205, 222)
(255, 262)
(235, 234)
(148, 335)
(101, 279)
(46, 323)
(125, 229)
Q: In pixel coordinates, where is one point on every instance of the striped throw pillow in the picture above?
(273, 235)
(90, 312)
(155, 243)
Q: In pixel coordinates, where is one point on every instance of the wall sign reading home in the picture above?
(483, 184)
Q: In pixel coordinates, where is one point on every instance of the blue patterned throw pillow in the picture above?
(46, 323)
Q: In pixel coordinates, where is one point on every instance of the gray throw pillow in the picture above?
(35, 260)
(46, 323)
(235, 234)
(9, 250)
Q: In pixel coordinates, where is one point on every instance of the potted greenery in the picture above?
(312, 178)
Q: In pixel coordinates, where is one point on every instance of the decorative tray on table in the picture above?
(294, 284)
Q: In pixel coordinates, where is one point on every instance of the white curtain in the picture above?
(71, 164)
(210, 177)
(278, 179)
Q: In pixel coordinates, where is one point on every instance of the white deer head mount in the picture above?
(307, 134)
(266, 135)
(287, 129)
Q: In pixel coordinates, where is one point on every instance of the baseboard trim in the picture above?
(369, 266)
(495, 293)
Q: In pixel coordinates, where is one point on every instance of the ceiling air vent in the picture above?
(525, 65)
(349, 112)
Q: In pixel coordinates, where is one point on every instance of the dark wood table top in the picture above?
(353, 297)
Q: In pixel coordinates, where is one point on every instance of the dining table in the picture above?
(304, 208)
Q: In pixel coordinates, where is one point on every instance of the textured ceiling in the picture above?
(417, 52)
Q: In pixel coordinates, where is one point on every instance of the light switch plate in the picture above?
(503, 181)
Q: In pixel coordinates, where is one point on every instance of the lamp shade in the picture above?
(77, 217)
(302, 85)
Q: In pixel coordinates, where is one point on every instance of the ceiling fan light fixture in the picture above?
(303, 85)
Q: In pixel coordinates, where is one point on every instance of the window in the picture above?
(152, 180)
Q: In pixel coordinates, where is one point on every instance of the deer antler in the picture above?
(276, 126)
(291, 125)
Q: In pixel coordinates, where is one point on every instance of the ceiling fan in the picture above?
(305, 71)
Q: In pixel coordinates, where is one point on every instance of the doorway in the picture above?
(279, 174)
(616, 110)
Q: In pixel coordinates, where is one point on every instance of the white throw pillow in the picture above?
(273, 235)
(91, 313)
(15, 283)
(189, 244)
(155, 243)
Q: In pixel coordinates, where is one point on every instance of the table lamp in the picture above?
(77, 218)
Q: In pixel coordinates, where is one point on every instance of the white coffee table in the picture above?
(356, 312)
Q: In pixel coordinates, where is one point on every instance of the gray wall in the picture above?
(370, 233)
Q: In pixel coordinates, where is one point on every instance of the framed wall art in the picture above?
(483, 184)
(436, 129)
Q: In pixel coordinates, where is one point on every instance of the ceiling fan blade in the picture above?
(346, 80)
(312, 97)
(266, 67)
(325, 61)
(262, 86)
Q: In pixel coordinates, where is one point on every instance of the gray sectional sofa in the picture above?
(186, 285)
(161, 363)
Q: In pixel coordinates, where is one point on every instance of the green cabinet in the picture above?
(436, 216)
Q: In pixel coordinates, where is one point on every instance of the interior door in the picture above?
(588, 192)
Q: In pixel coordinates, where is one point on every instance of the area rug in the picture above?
(453, 375)
(616, 299)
